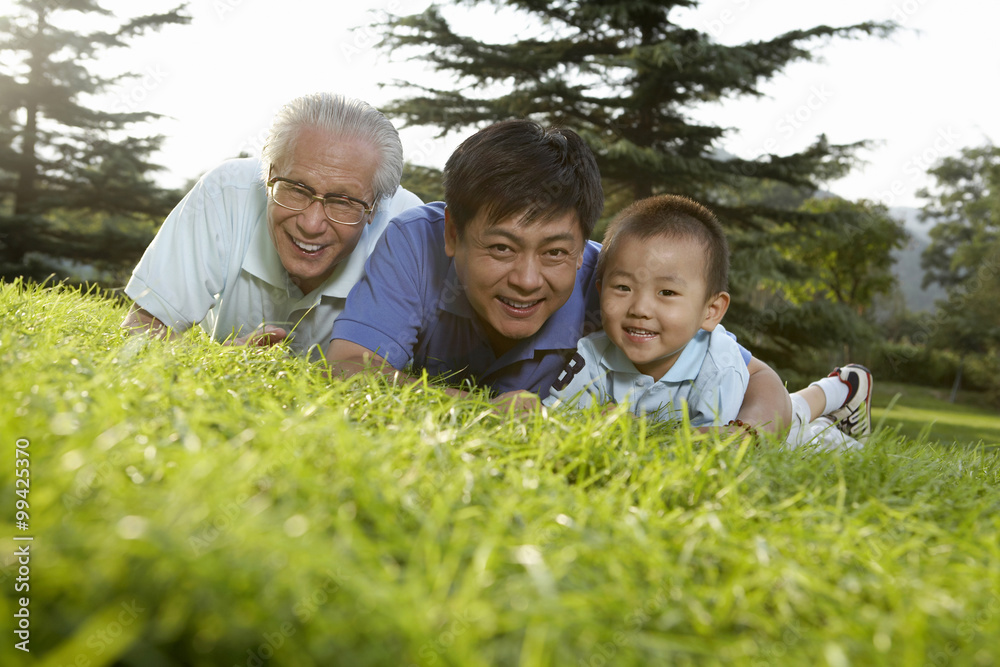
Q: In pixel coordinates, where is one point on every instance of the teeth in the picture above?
(305, 246)
(639, 332)
(518, 304)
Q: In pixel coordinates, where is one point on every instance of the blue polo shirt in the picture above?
(411, 310)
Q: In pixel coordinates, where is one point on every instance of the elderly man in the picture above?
(497, 287)
(261, 250)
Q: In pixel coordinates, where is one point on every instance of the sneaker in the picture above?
(855, 417)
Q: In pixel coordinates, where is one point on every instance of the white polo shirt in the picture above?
(213, 263)
(710, 375)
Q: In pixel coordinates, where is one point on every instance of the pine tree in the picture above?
(625, 77)
(425, 182)
(70, 185)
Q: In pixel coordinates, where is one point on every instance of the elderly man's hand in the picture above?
(263, 336)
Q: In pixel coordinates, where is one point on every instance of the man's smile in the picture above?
(517, 308)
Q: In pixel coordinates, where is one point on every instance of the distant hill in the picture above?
(907, 267)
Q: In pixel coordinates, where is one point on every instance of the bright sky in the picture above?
(923, 94)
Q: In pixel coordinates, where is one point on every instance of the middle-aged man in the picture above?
(261, 250)
(498, 286)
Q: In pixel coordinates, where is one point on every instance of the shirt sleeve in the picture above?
(388, 209)
(582, 381)
(745, 354)
(384, 311)
(718, 391)
(185, 266)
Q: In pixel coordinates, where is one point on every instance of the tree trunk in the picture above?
(642, 190)
(26, 192)
(644, 130)
(958, 380)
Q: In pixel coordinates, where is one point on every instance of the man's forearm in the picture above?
(348, 359)
(766, 405)
(349, 367)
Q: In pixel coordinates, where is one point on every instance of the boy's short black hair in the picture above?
(516, 166)
(672, 216)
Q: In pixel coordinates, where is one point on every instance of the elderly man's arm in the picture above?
(766, 405)
(141, 321)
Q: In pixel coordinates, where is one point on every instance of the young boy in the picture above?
(662, 274)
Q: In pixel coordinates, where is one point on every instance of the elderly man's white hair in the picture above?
(340, 116)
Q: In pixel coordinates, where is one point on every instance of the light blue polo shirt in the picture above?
(411, 309)
(710, 375)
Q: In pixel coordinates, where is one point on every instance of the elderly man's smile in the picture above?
(308, 249)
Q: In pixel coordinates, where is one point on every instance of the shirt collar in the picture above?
(262, 259)
(453, 299)
(687, 366)
(564, 328)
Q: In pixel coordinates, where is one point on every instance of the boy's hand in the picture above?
(610, 407)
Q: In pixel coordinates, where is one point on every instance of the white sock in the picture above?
(835, 391)
(800, 422)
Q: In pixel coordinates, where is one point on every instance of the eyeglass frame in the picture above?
(368, 208)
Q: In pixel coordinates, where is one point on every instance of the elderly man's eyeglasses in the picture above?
(295, 196)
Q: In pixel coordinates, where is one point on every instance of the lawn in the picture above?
(925, 412)
(197, 505)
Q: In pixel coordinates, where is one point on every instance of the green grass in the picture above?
(198, 505)
(925, 412)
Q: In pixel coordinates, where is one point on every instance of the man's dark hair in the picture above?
(672, 216)
(517, 167)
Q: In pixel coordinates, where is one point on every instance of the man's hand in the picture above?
(347, 359)
(263, 336)
(518, 400)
